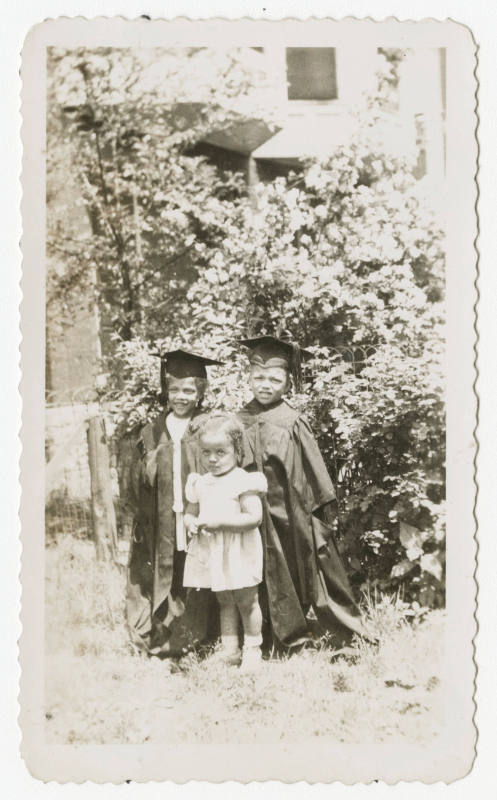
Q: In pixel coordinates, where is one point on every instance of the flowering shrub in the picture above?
(345, 258)
(127, 122)
(341, 255)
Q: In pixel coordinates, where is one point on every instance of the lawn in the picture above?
(99, 692)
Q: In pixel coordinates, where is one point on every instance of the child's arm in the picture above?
(190, 518)
(248, 518)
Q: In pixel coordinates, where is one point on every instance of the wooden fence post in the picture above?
(104, 517)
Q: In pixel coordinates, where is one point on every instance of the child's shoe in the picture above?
(228, 653)
(232, 658)
(251, 659)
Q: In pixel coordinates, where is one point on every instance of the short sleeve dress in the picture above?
(225, 559)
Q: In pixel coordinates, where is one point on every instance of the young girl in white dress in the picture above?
(225, 551)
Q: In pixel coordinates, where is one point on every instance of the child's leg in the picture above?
(247, 600)
(228, 619)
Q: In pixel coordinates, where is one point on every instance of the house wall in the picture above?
(72, 331)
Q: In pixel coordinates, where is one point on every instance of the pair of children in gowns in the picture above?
(304, 589)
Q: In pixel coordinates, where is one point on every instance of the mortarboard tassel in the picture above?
(296, 367)
(163, 390)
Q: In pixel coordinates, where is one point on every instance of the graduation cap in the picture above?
(269, 351)
(183, 364)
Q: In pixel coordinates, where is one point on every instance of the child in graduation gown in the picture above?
(305, 584)
(163, 617)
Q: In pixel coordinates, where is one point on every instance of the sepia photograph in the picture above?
(245, 382)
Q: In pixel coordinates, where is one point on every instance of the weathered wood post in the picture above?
(104, 517)
(125, 455)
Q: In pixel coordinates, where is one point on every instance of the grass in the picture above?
(99, 692)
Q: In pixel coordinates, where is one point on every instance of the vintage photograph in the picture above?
(245, 387)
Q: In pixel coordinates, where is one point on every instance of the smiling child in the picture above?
(305, 589)
(163, 619)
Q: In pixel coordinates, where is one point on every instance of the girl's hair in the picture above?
(200, 383)
(228, 423)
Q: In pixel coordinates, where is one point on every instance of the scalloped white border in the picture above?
(453, 759)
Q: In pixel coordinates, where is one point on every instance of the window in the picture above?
(311, 73)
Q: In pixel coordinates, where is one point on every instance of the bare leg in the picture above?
(228, 618)
(247, 601)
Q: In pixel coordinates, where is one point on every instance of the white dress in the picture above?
(224, 559)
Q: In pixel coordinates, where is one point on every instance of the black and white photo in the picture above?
(253, 271)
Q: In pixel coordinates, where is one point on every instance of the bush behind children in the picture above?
(233, 519)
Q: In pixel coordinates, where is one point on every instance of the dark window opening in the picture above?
(311, 73)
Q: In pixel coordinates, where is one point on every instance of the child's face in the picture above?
(217, 452)
(183, 396)
(268, 384)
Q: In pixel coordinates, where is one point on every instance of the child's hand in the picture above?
(208, 522)
(191, 524)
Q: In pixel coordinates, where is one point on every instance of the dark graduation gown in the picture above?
(305, 584)
(163, 618)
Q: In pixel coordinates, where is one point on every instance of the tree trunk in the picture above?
(104, 518)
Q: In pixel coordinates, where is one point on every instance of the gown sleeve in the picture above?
(132, 499)
(150, 467)
(313, 465)
(143, 468)
(149, 452)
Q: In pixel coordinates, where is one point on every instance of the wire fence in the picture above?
(68, 480)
